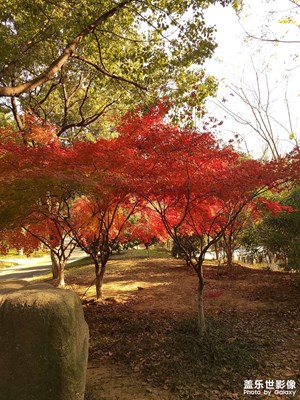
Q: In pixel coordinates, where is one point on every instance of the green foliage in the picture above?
(278, 234)
(144, 51)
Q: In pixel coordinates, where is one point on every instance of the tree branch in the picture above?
(10, 91)
(86, 121)
(104, 72)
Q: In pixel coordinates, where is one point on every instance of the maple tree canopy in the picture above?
(181, 172)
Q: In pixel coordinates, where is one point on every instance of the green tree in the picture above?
(71, 62)
(278, 233)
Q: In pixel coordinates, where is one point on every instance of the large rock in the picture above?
(43, 344)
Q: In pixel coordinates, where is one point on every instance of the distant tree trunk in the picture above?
(188, 259)
(201, 316)
(228, 246)
(55, 266)
(229, 255)
(285, 260)
(217, 251)
(148, 250)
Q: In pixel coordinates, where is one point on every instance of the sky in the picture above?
(238, 56)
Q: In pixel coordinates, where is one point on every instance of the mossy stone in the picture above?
(44, 344)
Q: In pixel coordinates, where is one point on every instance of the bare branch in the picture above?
(86, 121)
(269, 40)
(105, 72)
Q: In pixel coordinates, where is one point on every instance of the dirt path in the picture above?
(110, 382)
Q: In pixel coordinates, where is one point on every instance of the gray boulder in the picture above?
(43, 344)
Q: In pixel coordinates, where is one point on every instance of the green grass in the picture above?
(6, 264)
(126, 254)
(79, 263)
(13, 253)
(155, 252)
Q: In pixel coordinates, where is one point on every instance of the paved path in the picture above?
(29, 268)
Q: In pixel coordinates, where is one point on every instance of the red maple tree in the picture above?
(146, 228)
(196, 184)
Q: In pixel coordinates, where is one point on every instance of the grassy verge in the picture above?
(155, 252)
(13, 253)
(6, 264)
(74, 265)
(124, 255)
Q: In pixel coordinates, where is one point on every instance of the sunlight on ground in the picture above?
(130, 286)
(118, 290)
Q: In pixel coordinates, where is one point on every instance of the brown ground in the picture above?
(258, 307)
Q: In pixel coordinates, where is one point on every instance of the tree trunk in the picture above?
(228, 250)
(55, 267)
(217, 251)
(148, 250)
(99, 279)
(61, 274)
(201, 317)
(57, 64)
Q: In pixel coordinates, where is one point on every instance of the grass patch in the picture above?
(6, 264)
(79, 263)
(155, 252)
(14, 253)
(124, 255)
(218, 359)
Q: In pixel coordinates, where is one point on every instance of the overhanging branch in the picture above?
(15, 91)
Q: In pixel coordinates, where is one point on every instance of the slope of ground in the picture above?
(144, 340)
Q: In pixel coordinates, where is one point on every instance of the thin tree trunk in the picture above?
(217, 251)
(99, 279)
(148, 251)
(61, 274)
(55, 267)
(201, 316)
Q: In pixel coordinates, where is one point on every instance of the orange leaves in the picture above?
(38, 131)
(18, 238)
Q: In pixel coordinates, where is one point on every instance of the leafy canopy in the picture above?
(71, 62)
